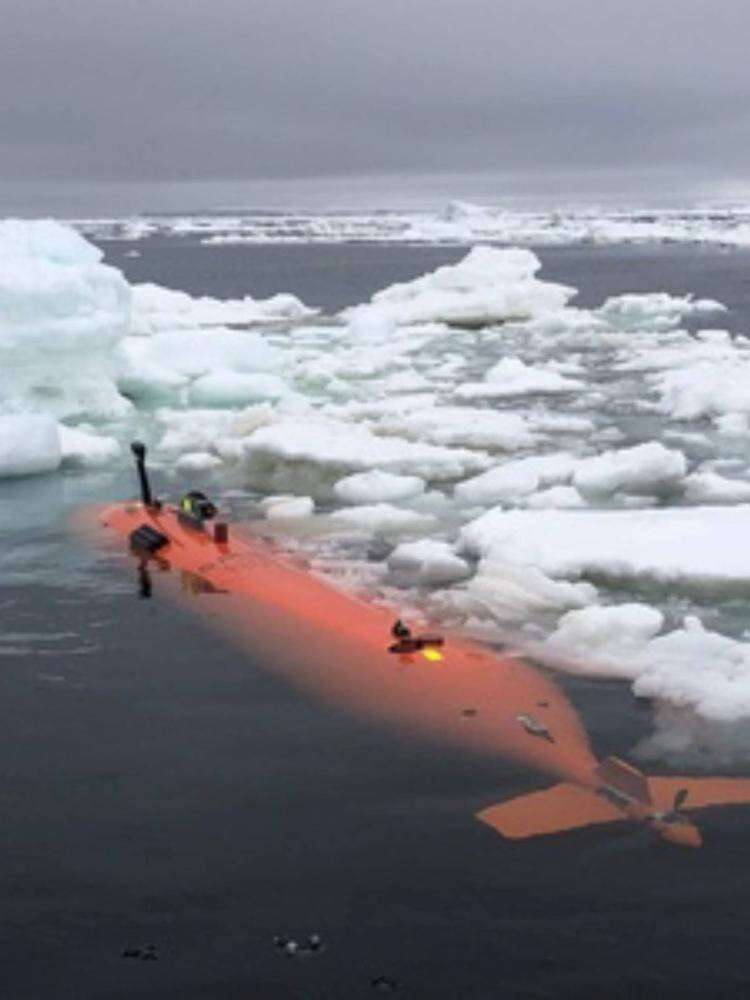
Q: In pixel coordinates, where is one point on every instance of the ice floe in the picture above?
(689, 667)
(428, 561)
(156, 308)
(489, 285)
(377, 487)
(511, 377)
(62, 312)
(29, 445)
(318, 451)
(692, 547)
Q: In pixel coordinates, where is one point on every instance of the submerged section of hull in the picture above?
(336, 646)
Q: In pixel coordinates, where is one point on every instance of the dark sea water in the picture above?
(160, 787)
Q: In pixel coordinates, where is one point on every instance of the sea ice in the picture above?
(316, 451)
(489, 285)
(653, 311)
(84, 449)
(685, 546)
(511, 482)
(377, 487)
(157, 309)
(690, 667)
(382, 518)
(428, 562)
(29, 444)
(647, 469)
(492, 430)
(197, 462)
(511, 377)
(287, 507)
(61, 313)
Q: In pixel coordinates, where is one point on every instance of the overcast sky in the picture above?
(155, 91)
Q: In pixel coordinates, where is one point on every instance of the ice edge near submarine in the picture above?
(342, 648)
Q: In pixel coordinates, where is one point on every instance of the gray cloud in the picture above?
(170, 90)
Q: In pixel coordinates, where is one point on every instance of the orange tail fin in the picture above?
(554, 810)
(701, 792)
(568, 807)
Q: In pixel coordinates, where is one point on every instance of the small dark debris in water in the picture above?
(146, 953)
(293, 948)
(469, 713)
(384, 985)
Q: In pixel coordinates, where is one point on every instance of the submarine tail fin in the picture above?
(699, 793)
(553, 810)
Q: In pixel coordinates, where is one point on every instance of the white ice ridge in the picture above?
(488, 285)
(458, 223)
(694, 547)
(690, 666)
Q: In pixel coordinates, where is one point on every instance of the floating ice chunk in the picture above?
(690, 667)
(646, 469)
(196, 462)
(29, 444)
(196, 352)
(511, 377)
(706, 388)
(733, 424)
(85, 450)
(709, 487)
(156, 308)
(311, 450)
(605, 640)
(61, 313)
(228, 388)
(510, 592)
(383, 517)
(511, 482)
(377, 487)
(560, 423)
(653, 311)
(428, 561)
(702, 670)
(193, 430)
(458, 425)
(690, 546)
(560, 497)
(489, 285)
(281, 508)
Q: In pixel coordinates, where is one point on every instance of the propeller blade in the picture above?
(679, 799)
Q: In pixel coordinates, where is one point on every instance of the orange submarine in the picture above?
(350, 652)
